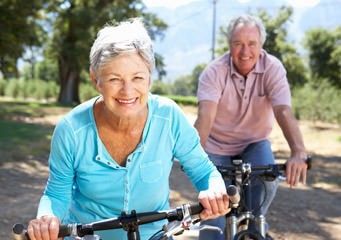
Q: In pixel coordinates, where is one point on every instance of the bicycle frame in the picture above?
(240, 174)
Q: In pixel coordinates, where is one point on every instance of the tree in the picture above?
(19, 30)
(324, 47)
(276, 43)
(160, 66)
(195, 77)
(74, 29)
(182, 86)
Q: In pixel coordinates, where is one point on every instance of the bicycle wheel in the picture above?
(248, 235)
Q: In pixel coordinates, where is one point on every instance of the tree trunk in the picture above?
(69, 83)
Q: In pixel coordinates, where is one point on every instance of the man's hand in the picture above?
(296, 170)
(215, 203)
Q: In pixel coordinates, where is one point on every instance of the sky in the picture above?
(176, 3)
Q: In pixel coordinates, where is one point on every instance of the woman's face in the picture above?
(124, 84)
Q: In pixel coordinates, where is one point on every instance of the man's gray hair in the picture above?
(127, 36)
(246, 20)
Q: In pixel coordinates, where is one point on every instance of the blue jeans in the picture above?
(258, 153)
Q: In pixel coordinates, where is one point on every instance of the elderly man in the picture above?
(239, 95)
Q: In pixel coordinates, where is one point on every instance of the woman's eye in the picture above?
(114, 80)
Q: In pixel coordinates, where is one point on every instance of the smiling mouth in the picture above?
(127, 101)
(245, 58)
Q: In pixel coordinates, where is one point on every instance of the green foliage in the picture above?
(2, 86)
(19, 29)
(13, 88)
(318, 102)
(47, 70)
(87, 91)
(35, 89)
(184, 100)
(325, 54)
(276, 44)
(187, 85)
(196, 72)
(183, 86)
(160, 88)
(222, 41)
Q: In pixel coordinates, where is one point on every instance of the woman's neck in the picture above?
(122, 124)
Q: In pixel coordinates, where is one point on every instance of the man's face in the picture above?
(245, 48)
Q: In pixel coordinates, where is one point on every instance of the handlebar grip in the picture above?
(196, 208)
(20, 233)
(64, 231)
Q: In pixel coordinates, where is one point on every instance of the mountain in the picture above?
(188, 39)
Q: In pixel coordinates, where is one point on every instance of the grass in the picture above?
(21, 139)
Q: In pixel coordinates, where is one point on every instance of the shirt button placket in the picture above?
(126, 193)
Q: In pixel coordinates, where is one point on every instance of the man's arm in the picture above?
(207, 111)
(296, 166)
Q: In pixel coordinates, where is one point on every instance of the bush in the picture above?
(184, 100)
(2, 86)
(37, 89)
(87, 91)
(318, 102)
(12, 88)
(160, 88)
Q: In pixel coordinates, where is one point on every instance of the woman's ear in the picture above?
(93, 78)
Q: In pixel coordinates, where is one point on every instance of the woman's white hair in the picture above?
(127, 36)
(246, 20)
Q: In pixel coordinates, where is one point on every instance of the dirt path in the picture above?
(308, 212)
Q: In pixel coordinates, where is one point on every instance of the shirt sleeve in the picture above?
(211, 84)
(193, 159)
(58, 190)
(277, 87)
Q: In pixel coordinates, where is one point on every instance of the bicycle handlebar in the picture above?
(270, 170)
(80, 230)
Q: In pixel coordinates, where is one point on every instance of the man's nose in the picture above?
(245, 49)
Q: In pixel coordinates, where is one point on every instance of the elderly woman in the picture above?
(115, 152)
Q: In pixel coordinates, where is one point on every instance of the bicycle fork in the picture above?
(234, 223)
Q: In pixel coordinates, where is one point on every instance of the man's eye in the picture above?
(138, 78)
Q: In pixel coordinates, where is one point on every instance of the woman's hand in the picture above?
(44, 228)
(215, 203)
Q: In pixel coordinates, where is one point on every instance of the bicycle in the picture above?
(240, 218)
(180, 219)
(181, 216)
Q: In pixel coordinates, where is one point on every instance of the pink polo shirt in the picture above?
(244, 113)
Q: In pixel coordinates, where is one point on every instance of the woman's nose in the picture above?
(127, 86)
